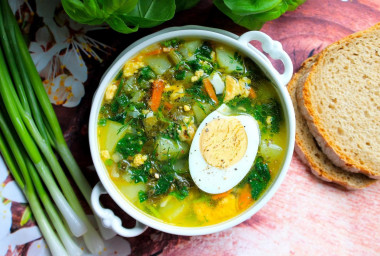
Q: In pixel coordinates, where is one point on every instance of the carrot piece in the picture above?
(210, 90)
(158, 88)
(221, 195)
(167, 105)
(252, 93)
(245, 198)
(154, 52)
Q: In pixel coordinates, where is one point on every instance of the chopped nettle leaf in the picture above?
(204, 51)
(147, 73)
(114, 106)
(194, 64)
(172, 131)
(131, 144)
(163, 184)
(171, 43)
(143, 196)
(180, 193)
(141, 173)
(102, 122)
(198, 92)
(180, 75)
(122, 100)
(119, 75)
(269, 114)
(258, 177)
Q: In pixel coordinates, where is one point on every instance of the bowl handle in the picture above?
(109, 219)
(273, 48)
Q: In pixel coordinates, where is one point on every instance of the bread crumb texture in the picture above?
(307, 148)
(341, 102)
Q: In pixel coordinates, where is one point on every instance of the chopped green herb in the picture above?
(147, 73)
(141, 173)
(121, 84)
(207, 68)
(122, 100)
(238, 58)
(258, 177)
(163, 184)
(197, 92)
(269, 114)
(102, 122)
(182, 65)
(171, 43)
(120, 117)
(143, 196)
(118, 76)
(114, 106)
(108, 162)
(172, 131)
(194, 64)
(180, 75)
(180, 193)
(131, 144)
(204, 50)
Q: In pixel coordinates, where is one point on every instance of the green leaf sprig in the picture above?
(127, 16)
(253, 14)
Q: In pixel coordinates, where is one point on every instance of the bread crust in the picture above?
(322, 136)
(307, 150)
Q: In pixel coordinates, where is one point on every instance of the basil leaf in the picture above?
(95, 12)
(118, 6)
(247, 7)
(248, 21)
(274, 13)
(292, 5)
(87, 12)
(150, 13)
(185, 4)
(117, 24)
(253, 14)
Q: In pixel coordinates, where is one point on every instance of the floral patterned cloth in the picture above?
(19, 234)
(57, 53)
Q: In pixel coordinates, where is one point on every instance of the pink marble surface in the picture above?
(305, 217)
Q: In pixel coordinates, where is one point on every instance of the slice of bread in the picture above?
(307, 148)
(340, 100)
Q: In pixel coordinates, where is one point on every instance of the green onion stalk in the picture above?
(92, 239)
(54, 133)
(69, 215)
(33, 119)
(18, 115)
(47, 230)
(27, 169)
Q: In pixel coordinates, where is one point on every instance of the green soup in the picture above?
(151, 111)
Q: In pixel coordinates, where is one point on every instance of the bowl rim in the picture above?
(185, 32)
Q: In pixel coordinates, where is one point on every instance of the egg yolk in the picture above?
(223, 142)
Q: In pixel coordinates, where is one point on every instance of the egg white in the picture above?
(216, 180)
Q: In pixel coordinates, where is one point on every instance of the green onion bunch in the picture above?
(31, 139)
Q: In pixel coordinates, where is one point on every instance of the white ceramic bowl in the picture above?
(273, 48)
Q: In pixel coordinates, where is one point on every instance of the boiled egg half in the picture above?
(223, 150)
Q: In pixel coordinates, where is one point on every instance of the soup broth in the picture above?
(151, 111)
